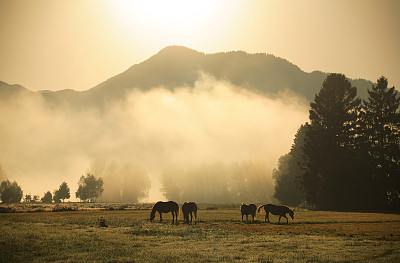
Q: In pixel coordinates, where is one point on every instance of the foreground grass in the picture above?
(218, 236)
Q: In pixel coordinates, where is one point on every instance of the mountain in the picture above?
(178, 66)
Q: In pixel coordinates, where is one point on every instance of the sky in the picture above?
(56, 45)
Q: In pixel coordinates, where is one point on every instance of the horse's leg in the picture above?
(242, 217)
(195, 216)
(247, 218)
(160, 216)
(191, 217)
(279, 219)
(173, 216)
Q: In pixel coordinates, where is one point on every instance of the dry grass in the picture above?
(218, 236)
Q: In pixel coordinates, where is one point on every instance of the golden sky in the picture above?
(54, 45)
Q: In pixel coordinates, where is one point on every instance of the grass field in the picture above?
(218, 236)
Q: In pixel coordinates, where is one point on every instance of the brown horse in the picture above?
(247, 210)
(189, 208)
(280, 210)
(165, 207)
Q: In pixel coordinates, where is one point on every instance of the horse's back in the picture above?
(173, 205)
(166, 207)
(189, 207)
(248, 208)
(276, 209)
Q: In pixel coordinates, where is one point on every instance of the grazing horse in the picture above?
(280, 210)
(247, 210)
(189, 208)
(165, 207)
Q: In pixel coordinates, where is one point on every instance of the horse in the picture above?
(189, 208)
(165, 207)
(280, 210)
(247, 210)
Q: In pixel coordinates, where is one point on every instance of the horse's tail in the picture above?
(259, 208)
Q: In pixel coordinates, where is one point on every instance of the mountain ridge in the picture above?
(178, 66)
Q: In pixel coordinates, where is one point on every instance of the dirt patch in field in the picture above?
(385, 231)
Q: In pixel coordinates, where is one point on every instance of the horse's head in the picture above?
(291, 213)
(152, 215)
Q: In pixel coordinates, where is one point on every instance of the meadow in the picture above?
(122, 233)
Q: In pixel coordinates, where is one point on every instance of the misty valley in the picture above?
(185, 125)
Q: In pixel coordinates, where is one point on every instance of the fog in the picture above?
(212, 122)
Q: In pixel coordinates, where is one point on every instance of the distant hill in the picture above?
(178, 66)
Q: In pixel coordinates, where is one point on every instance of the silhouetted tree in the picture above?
(89, 188)
(381, 126)
(62, 193)
(28, 199)
(47, 198)
(330, 144)
(10, 192)
(288, 175)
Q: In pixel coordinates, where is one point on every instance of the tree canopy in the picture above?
(47, 198)
(89, 188)
(62, 193)
(10, 192)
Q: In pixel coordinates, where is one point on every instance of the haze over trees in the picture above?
(248, 181)
(350, 152)
(122, 182)
(3, 175)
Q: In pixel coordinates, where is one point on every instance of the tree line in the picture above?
(348, 156)
(89, 189)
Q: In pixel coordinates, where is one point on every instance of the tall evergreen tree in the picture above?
(330, 144)
(381, 127)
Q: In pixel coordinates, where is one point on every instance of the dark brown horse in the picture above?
(248, 209)
(279, 210)
(189, 208)
(165, 207)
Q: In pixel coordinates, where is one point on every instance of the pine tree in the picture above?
(381, 137)
(330, 143)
